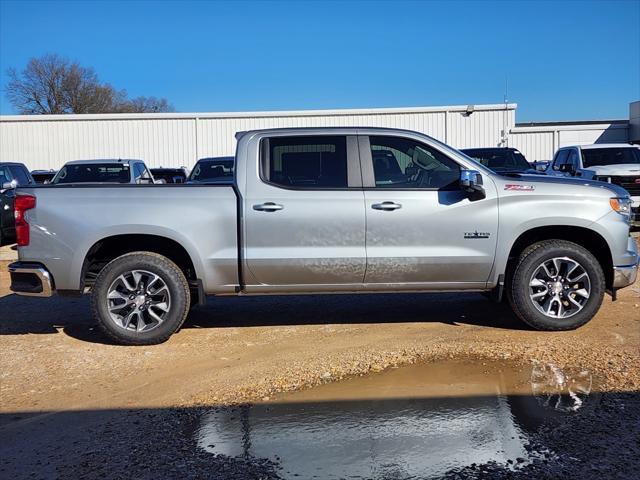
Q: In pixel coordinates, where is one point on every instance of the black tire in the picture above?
(530, 260)
(172, 277)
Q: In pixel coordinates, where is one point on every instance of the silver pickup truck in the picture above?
(326, 211)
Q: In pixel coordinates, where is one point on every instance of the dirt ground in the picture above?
(241, 349)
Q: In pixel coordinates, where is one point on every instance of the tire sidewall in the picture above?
(157, 264)
(519, 295)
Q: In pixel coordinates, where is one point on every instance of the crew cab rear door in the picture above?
(304, 219)
(423, 230)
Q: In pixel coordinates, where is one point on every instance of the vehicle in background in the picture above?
(502, 160)
(12, 175)
(540, 165)
(213, 170)
(170, 175)
(309, 212)
(617, 163)
(43, 176)
(104, 171)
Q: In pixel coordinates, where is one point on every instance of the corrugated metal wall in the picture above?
(541, 142)
(44, 142)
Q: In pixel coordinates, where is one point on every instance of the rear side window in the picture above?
(305, 162)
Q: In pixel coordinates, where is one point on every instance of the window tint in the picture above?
(610, 156)
(307, 162)
(19, 174)
(573, 157)
(561, 157)
(93, 172)
(213, 170)
(5, 175)
(404, 163)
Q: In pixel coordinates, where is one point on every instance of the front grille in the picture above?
(630, 184)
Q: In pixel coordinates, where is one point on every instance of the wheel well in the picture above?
(584, 237)
(109, 248)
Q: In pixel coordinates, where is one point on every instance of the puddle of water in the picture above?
(419, 421)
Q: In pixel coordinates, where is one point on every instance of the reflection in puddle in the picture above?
(418, 421)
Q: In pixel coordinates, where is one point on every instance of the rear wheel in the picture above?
(140, 298)
(556, 285)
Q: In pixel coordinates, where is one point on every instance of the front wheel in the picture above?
(140, 298)
(556, 285)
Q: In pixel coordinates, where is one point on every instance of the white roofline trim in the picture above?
(293, 113)
(551, 128)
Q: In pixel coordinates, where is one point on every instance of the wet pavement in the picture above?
(449, 419)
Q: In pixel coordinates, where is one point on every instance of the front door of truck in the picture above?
(423, 230)
(304, 219)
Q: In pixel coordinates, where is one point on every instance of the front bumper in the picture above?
(625, 275)
(31, 280)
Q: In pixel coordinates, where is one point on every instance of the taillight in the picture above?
(21, 205)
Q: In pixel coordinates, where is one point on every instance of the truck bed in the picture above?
(69, 220)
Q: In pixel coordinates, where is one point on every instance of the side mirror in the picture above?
(144, 181)
(567, 168)
(46, 182)
(9, 185)
(471, 182)
(160, 181)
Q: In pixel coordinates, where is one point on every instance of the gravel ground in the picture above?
(55, 365)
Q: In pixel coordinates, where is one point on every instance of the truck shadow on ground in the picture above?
(21, 315)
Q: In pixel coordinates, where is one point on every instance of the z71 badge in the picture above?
(526, 188)
(476, 234)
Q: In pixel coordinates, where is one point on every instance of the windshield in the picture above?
(93, 173)
(610, 156)
(213, 170)
(500, 160)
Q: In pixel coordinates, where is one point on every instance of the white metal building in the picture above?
(175, 139)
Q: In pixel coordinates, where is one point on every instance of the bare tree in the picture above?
(52, 84)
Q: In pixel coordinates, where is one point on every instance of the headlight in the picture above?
(621, 205)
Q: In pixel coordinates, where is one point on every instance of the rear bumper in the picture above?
(31, 280)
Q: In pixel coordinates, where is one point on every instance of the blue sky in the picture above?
(564, 60)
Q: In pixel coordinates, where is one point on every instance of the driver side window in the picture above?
(404, 163)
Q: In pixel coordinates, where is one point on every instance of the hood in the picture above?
(577, 182)
(631, 169)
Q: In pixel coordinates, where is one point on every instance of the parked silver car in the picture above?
(328, 210)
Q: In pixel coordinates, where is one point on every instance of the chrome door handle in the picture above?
(386, 206)
(268, 207)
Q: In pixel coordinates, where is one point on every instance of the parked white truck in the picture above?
(327, 210)
(617, 163)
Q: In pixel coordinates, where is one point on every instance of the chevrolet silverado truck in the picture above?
(327, 210)
(617, 163)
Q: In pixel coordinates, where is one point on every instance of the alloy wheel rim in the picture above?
(138, 301)
(559, 287)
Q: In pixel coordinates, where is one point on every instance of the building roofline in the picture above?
(570, 123)
(261, 114)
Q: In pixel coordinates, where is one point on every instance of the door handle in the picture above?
(268, 207)
(388, 206)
